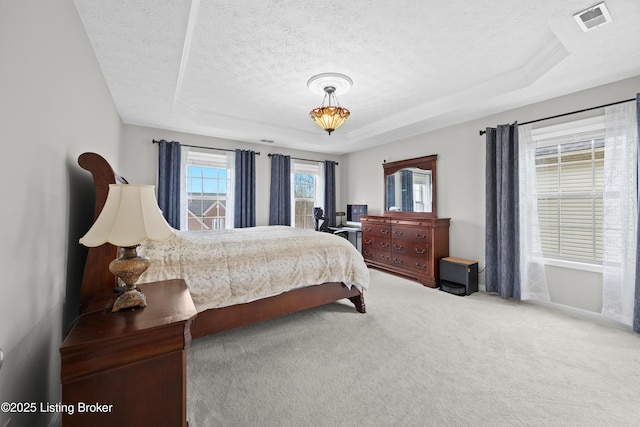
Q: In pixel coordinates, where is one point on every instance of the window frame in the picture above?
(592, 128)
(210, 160)
(315, 169)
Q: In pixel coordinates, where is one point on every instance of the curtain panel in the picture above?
(245, 189)
(391, 191)
(169, 166)
(330, 192)
(620, 213)
(406, 184)
(636, 309)
(502, 240)
(533, 283)
(280, 191)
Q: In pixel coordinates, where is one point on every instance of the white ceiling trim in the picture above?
(188, 40)
(551, 54)
(541, 62)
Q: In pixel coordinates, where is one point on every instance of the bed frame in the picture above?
(98, 280)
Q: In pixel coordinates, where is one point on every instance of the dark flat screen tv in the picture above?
(354, 212)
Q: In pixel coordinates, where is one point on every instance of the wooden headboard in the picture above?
(97, 278)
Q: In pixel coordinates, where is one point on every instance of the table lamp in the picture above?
(130, 216)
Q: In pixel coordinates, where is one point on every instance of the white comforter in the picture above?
(228, 267)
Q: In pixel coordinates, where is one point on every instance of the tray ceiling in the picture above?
(238, 70)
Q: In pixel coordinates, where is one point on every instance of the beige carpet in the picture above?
(419, 357)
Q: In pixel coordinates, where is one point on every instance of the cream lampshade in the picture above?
(130, 216)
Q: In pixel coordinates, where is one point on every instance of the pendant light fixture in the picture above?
(330, 115)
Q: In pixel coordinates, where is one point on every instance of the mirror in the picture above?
(410, 187)
(409, 190)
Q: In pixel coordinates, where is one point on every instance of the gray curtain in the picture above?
(280, 192)
(391, 191)
(636, 307)
(169, 181)
(330, 192)
(406, 184)
(245, 189)
(502, 223)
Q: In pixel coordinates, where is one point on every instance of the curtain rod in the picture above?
(306, 160)
(206, 148)
(482, 132)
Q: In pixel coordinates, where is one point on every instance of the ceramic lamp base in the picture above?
(130, 298)
(128, 268)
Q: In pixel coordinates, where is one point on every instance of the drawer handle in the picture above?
(367, 241)
(421, 266)
(420, 251)
(397, 246)
(398, 260)
(367, 253)
(399, 233)
(367, 229)
(386, 258)
(421, 236)
(384, 231)
(384, 244)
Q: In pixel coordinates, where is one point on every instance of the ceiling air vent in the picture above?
(593, 17)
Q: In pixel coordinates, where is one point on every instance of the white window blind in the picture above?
(569, 173)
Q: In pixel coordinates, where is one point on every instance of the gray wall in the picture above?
(461, 183)
(54, 105)
(139, 161)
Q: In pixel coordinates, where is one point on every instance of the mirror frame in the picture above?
(425, 163)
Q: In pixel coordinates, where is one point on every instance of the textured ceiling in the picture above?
(238, 69)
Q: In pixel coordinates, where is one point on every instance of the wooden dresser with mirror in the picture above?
(408, 239)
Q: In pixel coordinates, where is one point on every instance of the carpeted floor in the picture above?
(419, 357)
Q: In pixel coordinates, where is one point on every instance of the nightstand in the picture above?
(129, 367)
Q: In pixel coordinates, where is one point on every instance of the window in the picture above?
(421, 191)
(569, 174)
(209, 191)
(308, 188)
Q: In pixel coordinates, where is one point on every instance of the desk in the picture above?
(354, 235)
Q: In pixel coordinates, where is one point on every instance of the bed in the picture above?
(232, 288)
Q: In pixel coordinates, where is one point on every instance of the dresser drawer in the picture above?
(376, 230)
(415, 248)
(374, 242)
(412, 223)
(376, 255)
(374, 219)
(409, 234)
(419, 265)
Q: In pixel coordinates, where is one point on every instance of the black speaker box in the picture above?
(458, 276)
(453, 288)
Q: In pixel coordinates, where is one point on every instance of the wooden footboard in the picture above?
(225, 318)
